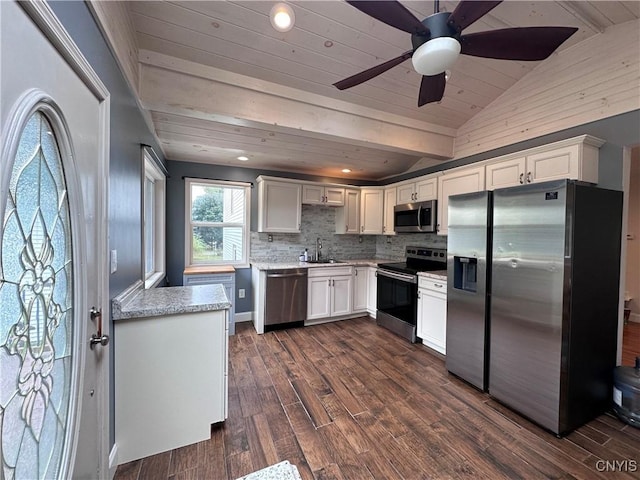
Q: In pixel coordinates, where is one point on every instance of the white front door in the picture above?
(53, 236)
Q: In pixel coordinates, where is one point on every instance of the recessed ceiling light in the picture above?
(346, 170)
(282, 17)
(243, 158)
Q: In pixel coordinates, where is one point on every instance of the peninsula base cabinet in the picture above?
(329, 292)
(227, 280)
(432, 313)
(170, 381)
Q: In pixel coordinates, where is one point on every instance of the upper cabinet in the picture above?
(348, 217)
(389, 203)
(456, 181)
(574, 158)
(316, 194)
(371, 211)
(425, 188)
(279, 206)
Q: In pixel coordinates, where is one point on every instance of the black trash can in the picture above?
(626, 393)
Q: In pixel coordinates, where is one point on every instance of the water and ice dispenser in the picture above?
(465, 273)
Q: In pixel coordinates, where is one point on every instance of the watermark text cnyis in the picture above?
(616, 465)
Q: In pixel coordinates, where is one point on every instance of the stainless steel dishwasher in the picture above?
(285, 298)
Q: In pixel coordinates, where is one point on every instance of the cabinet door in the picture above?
(463, 181)
(279, 207)
(341, 293)
(555, 164)
(372, 296)
(405, 193)
(371, 211)
(312, 194)
(389, 203)
(360, 288)
(507, 173)
(319, 297)
(334, 196)
(432, 319)
(426, 189)
(348, 217)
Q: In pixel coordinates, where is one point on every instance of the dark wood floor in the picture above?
(630, 343)
(349, 400)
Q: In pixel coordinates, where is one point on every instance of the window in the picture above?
(217, 223)
(153, 222)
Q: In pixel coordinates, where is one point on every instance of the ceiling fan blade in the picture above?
(392, 13)
(431, 89)
(525, 43)
(468, 12)
(361, 77)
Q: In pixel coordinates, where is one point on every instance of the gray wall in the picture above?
(289, 245)
(128, 131)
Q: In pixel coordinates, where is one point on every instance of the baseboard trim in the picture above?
(634, 317)
(243, 317)
(113, 461)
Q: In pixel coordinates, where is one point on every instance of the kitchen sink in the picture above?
(325, 260)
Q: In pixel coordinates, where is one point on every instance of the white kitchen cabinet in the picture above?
(360, 289)
(371, 211)
(432, 313)
(279, 206)
(506, 173)
(389, 202)
(424, 188)
(170, 381)
(317, 194)
(372, 295)
(574, 158)
(329, 292)
(348, 217)
(454, 182)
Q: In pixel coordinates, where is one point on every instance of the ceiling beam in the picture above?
(172, 85)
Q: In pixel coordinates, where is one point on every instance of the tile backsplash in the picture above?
(319, 222)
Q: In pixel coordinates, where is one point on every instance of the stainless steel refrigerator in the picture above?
(468, 286)
(553, 300)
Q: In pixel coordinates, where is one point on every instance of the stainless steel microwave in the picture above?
(415, 217)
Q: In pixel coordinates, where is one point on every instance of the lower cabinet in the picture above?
(329, 292)
(360, 289)
(170, 381)
(372, 295)
(432, 313)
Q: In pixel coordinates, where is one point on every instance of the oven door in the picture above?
(398, 296)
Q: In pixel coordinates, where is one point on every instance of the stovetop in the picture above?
(419, 259)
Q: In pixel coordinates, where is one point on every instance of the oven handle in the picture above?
(398, 276)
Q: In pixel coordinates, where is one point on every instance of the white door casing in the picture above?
(42, 70)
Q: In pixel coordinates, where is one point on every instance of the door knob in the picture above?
(98, 337)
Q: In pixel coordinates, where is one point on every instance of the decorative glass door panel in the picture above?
(36, 319)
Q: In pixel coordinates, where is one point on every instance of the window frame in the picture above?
(152, 172)
(188, 254)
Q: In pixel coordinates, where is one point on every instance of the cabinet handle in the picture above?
(419, 294)
(438, 285)
(362, 228)
(529, 178)
(329, 282)
(384, 229)
(333, 283)
(521, 178)
(356, 273)
(347, 228)
(324, 199)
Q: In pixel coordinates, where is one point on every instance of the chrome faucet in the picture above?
(318, 247)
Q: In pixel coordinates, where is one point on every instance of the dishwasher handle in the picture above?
(285, 275)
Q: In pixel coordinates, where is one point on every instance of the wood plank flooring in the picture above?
(630, 343)
(350, 400)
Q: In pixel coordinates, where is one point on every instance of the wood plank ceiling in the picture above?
(220, 82)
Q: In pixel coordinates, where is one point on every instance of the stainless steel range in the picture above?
(397, 303)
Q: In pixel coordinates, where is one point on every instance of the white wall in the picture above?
(592, 80)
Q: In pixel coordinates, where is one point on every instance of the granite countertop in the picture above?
(362, 262)
(435, 275)
(170, 301)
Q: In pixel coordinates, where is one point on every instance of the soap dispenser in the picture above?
(306, 255)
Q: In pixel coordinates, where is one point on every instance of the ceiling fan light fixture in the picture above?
(282, 17)
(436, 55)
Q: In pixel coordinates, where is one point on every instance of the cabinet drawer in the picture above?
(439, 286)
(330, 271)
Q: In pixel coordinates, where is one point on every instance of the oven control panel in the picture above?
(427, 253)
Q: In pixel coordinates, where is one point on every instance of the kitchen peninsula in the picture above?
(171, 351)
